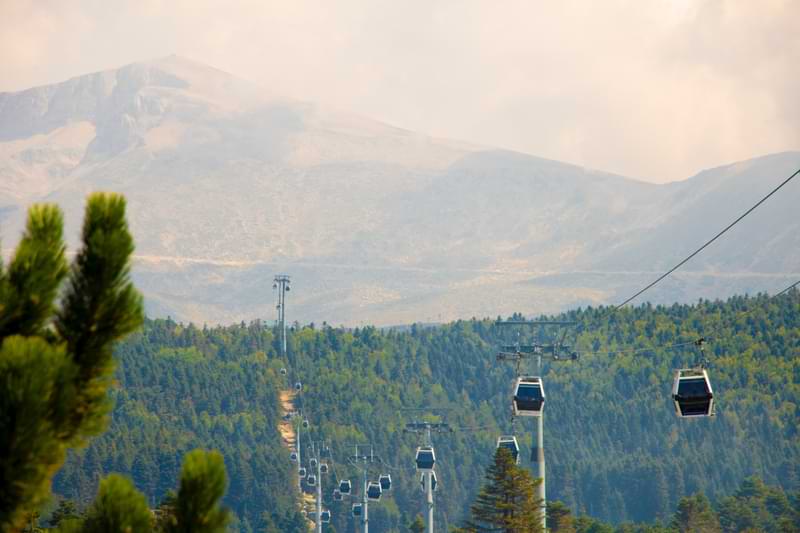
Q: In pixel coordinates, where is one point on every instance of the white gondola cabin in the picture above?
(422, 479)
(293, 457)
(510, 443)
(426, 458)
(356, 510)
(298, 386)
(528, 396)
(302, 472)
(313, 463)
(345, 486)
(386, 482)
(323, 468)
(337, 495)
(325, 517)
(692, 393)
(283, 372)
(374, 491)
(311, 480)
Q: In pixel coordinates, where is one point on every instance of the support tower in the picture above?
(281, 284)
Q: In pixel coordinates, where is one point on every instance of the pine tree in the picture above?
(417, 526)
(559, 518)
(507, 501)
(66, 510)
(695, 515)
(118, 508)
(196, 507)
(56, 362)
(55, 371)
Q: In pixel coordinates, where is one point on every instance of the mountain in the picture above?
(229, 184)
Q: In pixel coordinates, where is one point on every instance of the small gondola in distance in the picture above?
(425, 458)
(422, 478)
(510, 443)
(374, 491)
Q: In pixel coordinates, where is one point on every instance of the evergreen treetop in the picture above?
(507, 501)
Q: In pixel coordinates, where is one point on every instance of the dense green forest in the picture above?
(615, 450)
(754, 507)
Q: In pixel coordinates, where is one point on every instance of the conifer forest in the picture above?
(616, 451)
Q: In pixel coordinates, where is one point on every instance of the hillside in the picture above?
(615, 449)
(229, 184)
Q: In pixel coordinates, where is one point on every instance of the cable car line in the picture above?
(741, 314)
(708, 338)
(641, 350)
(714, 238)
(787, 289)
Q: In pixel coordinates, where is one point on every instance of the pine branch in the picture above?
(30, 285)
(100, 306)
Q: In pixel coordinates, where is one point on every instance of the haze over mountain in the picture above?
(229, 184)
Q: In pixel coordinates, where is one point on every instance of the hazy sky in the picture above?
(653, 89)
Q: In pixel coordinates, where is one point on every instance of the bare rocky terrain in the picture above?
(229, 184)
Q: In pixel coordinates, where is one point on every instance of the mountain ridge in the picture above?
(375, 222)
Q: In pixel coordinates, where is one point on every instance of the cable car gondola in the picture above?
(426, 458)
(356, 509)
(344, 486)
(313, 463)
(374, 491)
(305, 423)
(386, 482)
(283, 372)
(337, 495)
(323, 468)
(311, 480)
(298, 386)
(422, 482)
(510, 443)
(325, 517)
(302, 472)
(293, 457)
(692, 394)
(528, 396)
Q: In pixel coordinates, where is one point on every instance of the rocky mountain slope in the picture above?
(229, 184)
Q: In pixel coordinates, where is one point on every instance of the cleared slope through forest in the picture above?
(289, 437)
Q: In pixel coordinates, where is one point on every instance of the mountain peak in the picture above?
(179, 70)
(120, 97)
